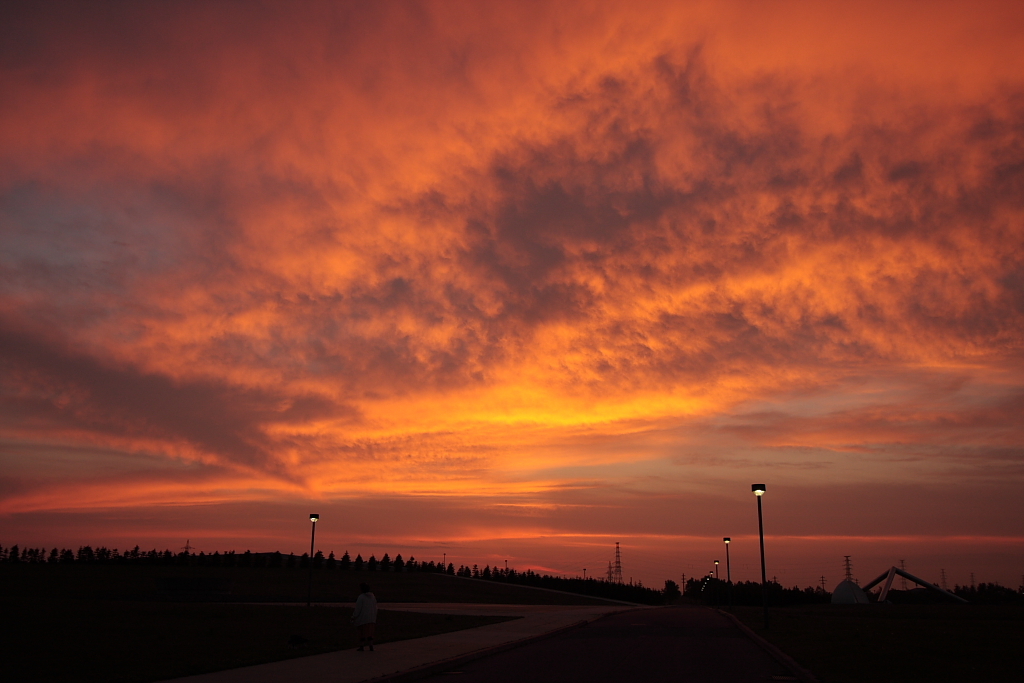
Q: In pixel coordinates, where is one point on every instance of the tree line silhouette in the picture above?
(705, 590)
(711, 591)
(990, 594)
(112, 556)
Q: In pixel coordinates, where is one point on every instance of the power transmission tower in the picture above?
(187, 547)
(611, 574)
(903, 579)
(823, 584)
(944, 586)
(618, 564)
(849, 567)
(972, 580)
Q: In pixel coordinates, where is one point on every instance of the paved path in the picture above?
(677, 644)
(349, 666)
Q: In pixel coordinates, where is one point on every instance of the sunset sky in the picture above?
(518, 280)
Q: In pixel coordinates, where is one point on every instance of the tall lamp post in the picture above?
(313, 519)
(716, 594)
(759, 490)
(728, 569)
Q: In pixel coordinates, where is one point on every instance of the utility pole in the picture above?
(944, 586)
(849, 567)
(903, 579)
(823, 583)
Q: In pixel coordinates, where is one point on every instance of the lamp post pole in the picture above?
(716, 584)
(313, 518)
(728, 569)
(759, 490)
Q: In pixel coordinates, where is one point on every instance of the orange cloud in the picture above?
(508, 253)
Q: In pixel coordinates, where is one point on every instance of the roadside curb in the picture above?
(432, 668)
(801, 673)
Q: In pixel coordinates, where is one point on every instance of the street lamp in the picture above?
(728, 569)
(313, 518)
(759, 490)
(716, 570)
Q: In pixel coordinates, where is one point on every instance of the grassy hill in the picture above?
(260, 584)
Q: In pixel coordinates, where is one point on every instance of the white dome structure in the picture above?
(849, 593)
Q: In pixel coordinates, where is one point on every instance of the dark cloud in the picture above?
(50, 389)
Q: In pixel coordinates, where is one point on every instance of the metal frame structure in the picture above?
(891, 574)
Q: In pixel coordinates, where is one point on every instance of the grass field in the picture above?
(898, 643)
(135, 624)
(136, 642)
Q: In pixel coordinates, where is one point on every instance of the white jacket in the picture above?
(365, 611)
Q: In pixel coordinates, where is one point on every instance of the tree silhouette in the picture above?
(331, 562)
(359, 563)
(371, 564)
(399, 563)
(385, 563)
(346, 562)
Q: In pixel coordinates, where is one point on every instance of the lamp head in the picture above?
(314, 517)
(716, 561)
(727, 539)
(758, 489)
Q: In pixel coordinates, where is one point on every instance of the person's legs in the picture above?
(365, 636)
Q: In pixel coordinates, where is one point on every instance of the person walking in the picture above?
(364, 616)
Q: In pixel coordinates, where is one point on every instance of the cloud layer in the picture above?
(516, 254)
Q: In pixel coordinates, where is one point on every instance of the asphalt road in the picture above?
(677, 644)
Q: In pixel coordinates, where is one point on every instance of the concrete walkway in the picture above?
(349, 666)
